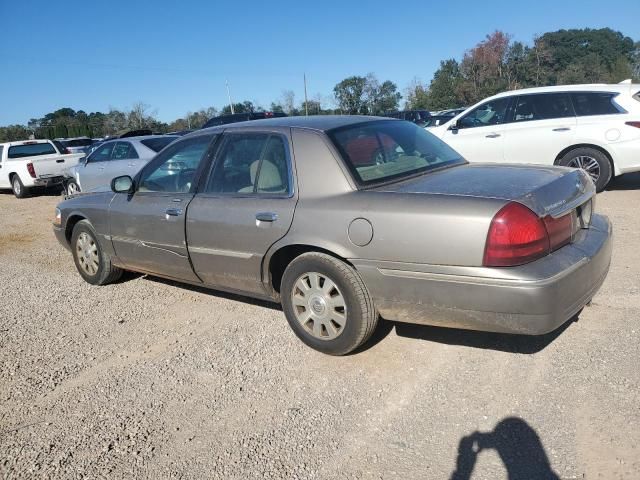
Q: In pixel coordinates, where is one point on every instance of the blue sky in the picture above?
(175, 56)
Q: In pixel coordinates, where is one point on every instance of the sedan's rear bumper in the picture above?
(530, 299)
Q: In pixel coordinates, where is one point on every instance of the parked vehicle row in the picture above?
(122, 156)
(343, 219)
(593, 127)
(33, 163)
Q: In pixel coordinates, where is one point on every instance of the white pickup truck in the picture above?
(33, 163)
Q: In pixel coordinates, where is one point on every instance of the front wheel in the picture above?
(592, 161)
(18, 188)
(72, 187)
(93, 264)
(327, 304)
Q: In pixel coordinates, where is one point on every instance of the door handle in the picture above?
(492, 135)
(266, 217)
(173, 212)
(131, 164)
(561, 129)
(60, 161)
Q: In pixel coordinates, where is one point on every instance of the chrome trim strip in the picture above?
(224, 253)
(442, 277)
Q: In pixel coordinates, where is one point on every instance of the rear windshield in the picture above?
(594, 103)
(77, 142)
(31, 150)
(157, 144)
(380, 151)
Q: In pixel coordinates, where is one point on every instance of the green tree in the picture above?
(349, 94)
(60, 131)
(444, 89)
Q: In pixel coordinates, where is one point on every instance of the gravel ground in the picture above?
(148, 379)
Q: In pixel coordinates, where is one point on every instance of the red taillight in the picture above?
(559, 230)
(66, 150)
(633, 124)
(31, 170)
(518, 236)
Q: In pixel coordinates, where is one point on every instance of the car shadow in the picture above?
(628, 181)
(518, 446)
(510, 343)
(503, 342)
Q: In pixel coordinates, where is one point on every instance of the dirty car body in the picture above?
(345, 218)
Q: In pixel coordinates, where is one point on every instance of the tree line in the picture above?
(495, 64)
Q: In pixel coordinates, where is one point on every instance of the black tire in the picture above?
(18, 188)
(360, 314)
(71, 187)
(105, 272)
(572, 159)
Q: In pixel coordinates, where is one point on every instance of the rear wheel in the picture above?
(327, 304)
(93, 264)
(592, 161)
(18, 188)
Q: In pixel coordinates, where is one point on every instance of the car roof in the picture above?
(313, 122)
(593, 87)
(139, 138)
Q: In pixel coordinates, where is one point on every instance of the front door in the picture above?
(245, 207)
(479, 134)
(94, 173)
(543, 126)
(148, 227)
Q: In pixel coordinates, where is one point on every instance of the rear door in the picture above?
(148, 227)
(246, 205)
(543, 125)
(123, 161)
(479, 134)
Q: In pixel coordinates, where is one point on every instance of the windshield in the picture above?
(379, 151)
(77, 142)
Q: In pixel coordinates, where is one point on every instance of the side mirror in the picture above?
(122, 184)
(454, 127)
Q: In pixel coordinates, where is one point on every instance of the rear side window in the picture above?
(542, 107)
(595, 103)
(251, 163)
(157, 144)
(1, 150)
(31, 150)
(123, 151)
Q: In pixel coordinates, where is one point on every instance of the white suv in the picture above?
(595, 127)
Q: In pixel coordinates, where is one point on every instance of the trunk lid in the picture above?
(545, 190)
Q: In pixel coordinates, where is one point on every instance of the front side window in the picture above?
(380, 151)
(493, 112)
(542, 107)
(102, 153)
(251, 163)
(124, 151)
(31, 150)
(174, 170)
(595, 103)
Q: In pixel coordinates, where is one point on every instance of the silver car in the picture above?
(346, 219)
(113, 158)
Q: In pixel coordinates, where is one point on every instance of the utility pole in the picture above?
(229, 95)
(306, 103)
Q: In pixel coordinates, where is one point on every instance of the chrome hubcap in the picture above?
(87, 252)
(319, 306)
(72, 188)
(16, 186)
(588, 164)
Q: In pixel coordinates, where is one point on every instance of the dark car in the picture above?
(419, 117)
(241, 117)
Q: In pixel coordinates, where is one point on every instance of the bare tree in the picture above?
(288, 101)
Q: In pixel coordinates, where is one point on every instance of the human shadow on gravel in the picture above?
(518, 446)
(526, 344)
(628, 181)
